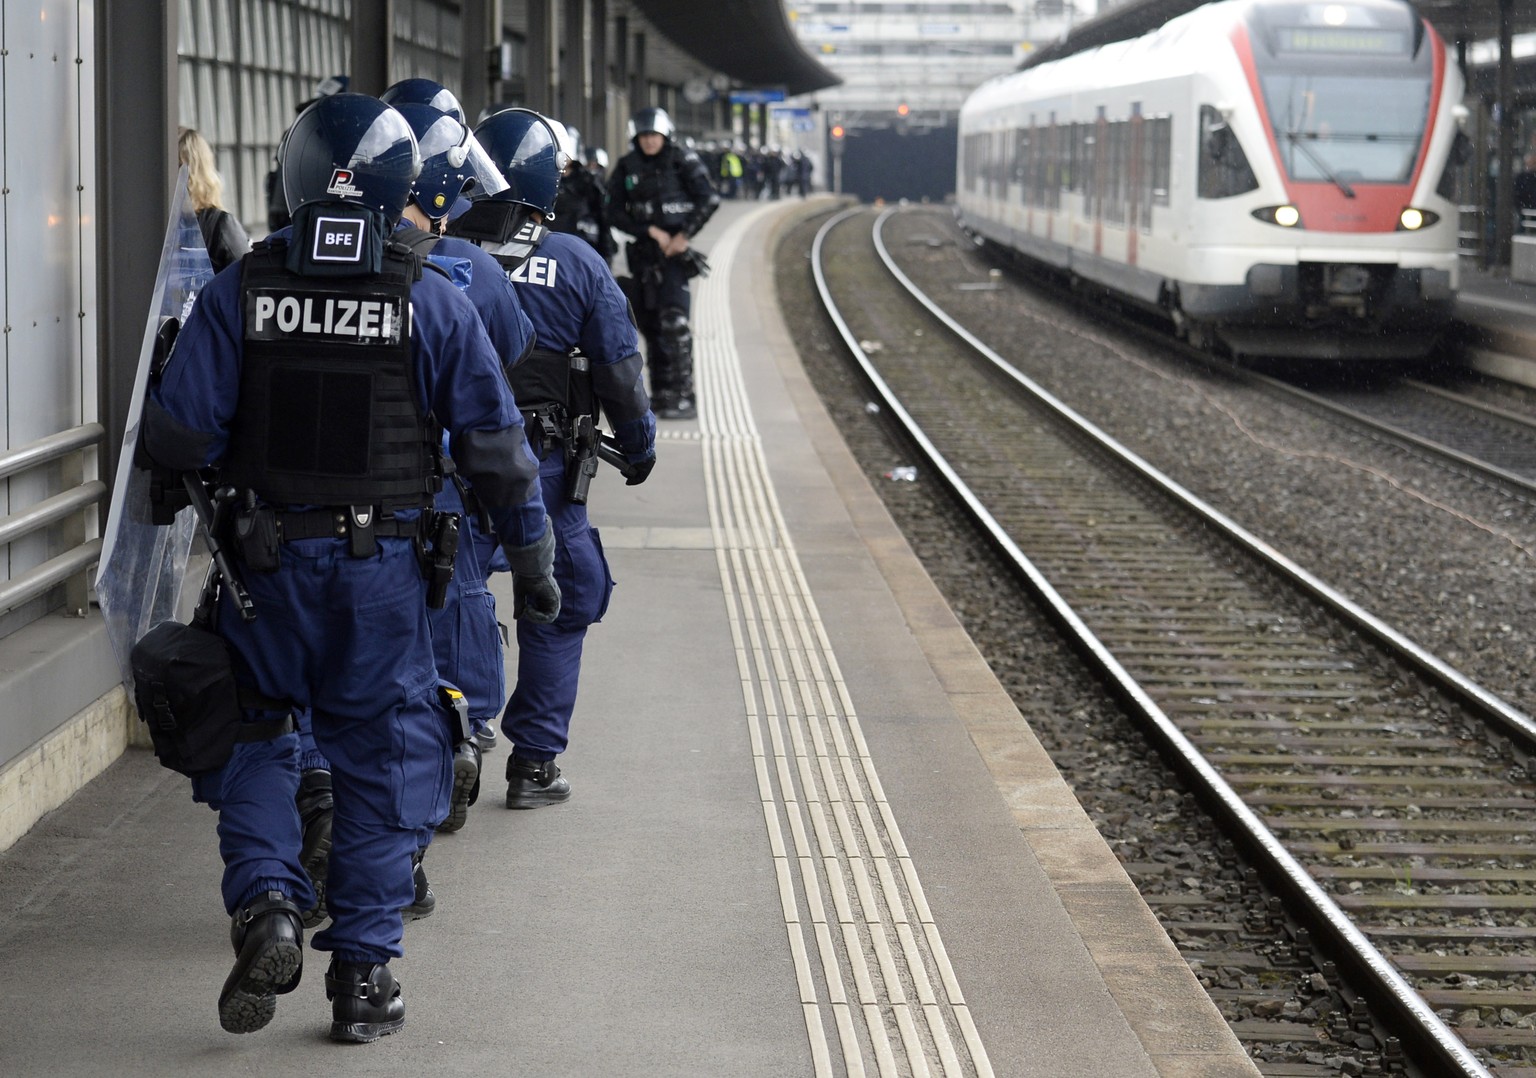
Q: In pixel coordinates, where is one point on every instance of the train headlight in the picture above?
(1412, 219)
(1285, 216)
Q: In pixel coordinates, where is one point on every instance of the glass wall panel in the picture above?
(244, 66)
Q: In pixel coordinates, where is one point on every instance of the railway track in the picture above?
(1491, 444)
(1476, 438)
(1384, 796)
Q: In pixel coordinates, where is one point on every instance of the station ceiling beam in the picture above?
(748, 40)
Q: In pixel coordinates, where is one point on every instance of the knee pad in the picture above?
(673, 321)
(674, 336)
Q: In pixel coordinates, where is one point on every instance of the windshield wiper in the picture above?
(1322, 166)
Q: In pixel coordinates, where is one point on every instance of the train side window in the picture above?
(1224, 168)
(1087, 161)
(1162, 154)
(1071, 182)
(1461, 153)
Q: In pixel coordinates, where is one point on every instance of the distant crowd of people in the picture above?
(763, 172)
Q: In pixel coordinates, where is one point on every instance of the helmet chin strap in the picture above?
(514, 252)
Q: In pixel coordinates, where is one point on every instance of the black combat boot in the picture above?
(486, 739)
(317, 808)
(365, 1001)
(269, 956)
(466, 785)
(425, 901)
(534, 784)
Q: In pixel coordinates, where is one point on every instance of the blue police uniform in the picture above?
(346, 637)
(465, 635)
(574, 304)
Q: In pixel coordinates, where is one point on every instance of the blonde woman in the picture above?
(224, 236)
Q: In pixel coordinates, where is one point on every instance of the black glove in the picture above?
(637, 471)
(535, 595)
(536, 598)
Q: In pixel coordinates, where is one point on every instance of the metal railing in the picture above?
(71, 505)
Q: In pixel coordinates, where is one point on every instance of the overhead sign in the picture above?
(756, 97)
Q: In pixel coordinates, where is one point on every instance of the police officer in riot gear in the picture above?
(453, 164)
(581, 204)
(424, 92)
(467, 642)
(311, 381)
(660, 193)
(587, 357)
(277, 202)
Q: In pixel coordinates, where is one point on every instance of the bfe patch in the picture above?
(339, 239)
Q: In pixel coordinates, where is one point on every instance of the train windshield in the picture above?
(1346, 129)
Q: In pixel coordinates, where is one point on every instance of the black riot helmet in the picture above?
(453, 164)
(424, 92)
(651, 119)
(350, 149)
(524, 149)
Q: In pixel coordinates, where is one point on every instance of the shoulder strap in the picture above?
(419, 240)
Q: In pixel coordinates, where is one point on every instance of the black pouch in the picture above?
(184, 686)
(255, 531)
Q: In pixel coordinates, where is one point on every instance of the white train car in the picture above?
(1275, 175)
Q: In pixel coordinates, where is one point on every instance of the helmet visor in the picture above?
(484, 179)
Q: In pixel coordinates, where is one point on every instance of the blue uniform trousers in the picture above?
(348, 639)
(466, 638)
(538, 717)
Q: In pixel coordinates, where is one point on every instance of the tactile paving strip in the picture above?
(878, 991)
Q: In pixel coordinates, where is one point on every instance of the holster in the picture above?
(438, 551)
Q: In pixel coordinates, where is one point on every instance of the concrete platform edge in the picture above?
(60, 765)
(1141, 967)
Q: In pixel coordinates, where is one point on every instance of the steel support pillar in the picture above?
(373, 38)
(1504, 188)
(137, 99)
(543, 52)
(574, 37)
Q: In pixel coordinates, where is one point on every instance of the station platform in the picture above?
(1495, 328)
(810, 834)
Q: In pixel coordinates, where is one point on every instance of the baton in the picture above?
(212, 523)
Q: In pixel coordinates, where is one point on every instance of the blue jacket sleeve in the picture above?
(609, 340)
(463, 387)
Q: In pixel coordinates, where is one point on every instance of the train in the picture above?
(1275, 178)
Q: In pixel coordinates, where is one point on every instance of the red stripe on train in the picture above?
(1323, 207)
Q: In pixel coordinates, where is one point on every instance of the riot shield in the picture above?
(143, 565)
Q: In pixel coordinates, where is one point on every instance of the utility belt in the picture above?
(551, 424)
(259, 531)
(547, 425)
(338, 524)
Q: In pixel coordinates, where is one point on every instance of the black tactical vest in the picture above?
(328, 412)
(549, 379)
(654, 192)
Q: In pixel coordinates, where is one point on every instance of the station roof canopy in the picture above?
(1456, 20)
(749, 41)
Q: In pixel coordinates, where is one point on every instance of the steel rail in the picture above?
(1435, 1042)
(1479, 469)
